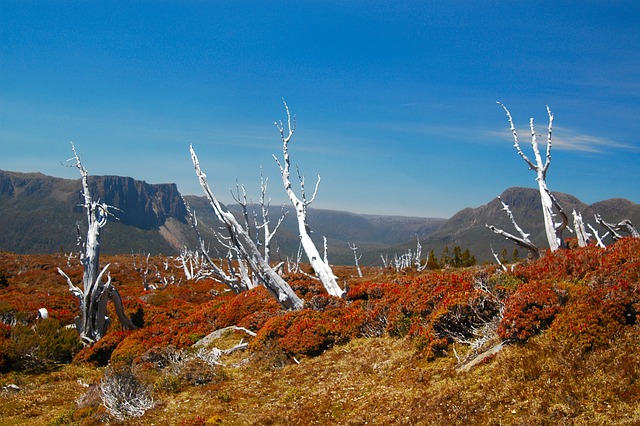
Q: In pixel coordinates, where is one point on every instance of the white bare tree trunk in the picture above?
(319, 265)
(581, 233)
(92, 322)
(356, 258)
(553, 230)
(246, 247)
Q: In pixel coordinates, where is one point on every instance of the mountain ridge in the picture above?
(39, 214)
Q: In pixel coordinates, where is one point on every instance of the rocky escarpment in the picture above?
(39, 213)
(139, 204)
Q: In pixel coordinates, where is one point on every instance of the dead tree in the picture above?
(523, 240)
(419, 265)
(189, 262)
(553, 230)
(265, 226)
(237, 280)
(246, 249)
(320, 266)
(615, 229)
(581, 232)
(356, 258)
(92, 323)
(293, 264)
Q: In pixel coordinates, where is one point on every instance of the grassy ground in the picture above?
(379, 381)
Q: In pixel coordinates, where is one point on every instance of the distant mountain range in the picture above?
(39, 214)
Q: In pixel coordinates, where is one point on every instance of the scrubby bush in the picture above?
(585, 295)
(595, 317)
(39, 346)
(249, 309)
(4, 278)
(124, 395)
(529, 310)
(100, 353)
(6, 347)
(308, 332)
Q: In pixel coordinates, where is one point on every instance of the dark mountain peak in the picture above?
(139, 203)
(615, 209)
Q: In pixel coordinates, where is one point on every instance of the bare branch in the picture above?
(356, 258)
(549, 133)
(495, 255)
(523, 240)
(627, 226)
(615, 229)
(515, 137)
(519, 241)
(559, 227)
(599, 242)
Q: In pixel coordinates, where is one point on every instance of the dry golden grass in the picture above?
(44, 398)
(379, 381)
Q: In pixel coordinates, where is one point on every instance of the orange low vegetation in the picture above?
(387, 354)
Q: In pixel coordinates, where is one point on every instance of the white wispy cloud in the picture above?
(566, 139)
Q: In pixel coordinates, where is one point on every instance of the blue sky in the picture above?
(395, 101)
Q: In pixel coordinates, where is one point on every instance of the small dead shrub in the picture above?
(124, 395)
(196, 372)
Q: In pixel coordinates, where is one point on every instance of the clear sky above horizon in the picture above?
(395, 102)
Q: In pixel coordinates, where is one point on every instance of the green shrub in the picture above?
(42, 345)
(4, 278)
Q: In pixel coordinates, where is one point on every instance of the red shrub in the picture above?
(138, 342)
(100, 352)
(426, 298)
(308, 332)
(561, 265)
(250, 309)
(620, 261)
(603, 294)
(595, 316)
(432, 308)
(529, 310)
